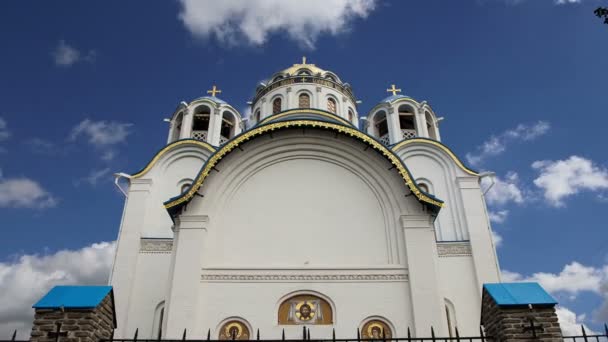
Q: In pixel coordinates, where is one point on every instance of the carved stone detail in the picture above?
(302, 277)
(155, 246)
(454, 249)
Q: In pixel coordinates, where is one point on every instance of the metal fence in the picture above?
(583, 337)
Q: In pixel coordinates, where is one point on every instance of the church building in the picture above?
(305, 213)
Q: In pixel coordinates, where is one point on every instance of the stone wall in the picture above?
(509, 323)
(76, 325)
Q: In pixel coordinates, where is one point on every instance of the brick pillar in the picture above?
(508, 316)
(73, 321)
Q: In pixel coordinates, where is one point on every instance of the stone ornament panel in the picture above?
(453, 249)
(155, 246)
(305, 277)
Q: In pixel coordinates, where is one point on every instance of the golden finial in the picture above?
(393, 90)
(214, 91)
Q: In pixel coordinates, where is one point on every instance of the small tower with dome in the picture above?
(399, 117)
(207, 119)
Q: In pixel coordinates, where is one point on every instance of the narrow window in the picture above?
(350, 115)
(276, 105)
(331, 105)
(304, 101)
(257, 116)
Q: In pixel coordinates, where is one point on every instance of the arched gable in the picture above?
(165, 151)
(174, 204)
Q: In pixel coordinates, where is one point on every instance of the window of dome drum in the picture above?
(304, 101)
(350, 115)
(276, 105)
(227, 127)
(257, 115)
(331, 105)
(200, 122)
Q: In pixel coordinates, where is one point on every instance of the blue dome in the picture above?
(395, 97)
(212, 98)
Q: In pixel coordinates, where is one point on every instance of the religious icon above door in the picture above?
(305, 309)
(376, 330)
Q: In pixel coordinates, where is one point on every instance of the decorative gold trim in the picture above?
(307, 110)
(353, 132)
(166, 149)
(437, 144)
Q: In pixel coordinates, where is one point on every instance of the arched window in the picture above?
(424, 187)
(185, 187)
(257, 116)
(200, 123)
(159, 316)
(177, 127)
(227, 127)
(331, 106)
(430, 125)
(407, 122)
(276, 105)
(351, 115)
(304, 101)
(305, 309)
(381, 127)
(376, 330)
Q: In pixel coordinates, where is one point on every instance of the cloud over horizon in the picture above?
(253, 21)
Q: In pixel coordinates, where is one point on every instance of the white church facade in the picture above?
(303, 214)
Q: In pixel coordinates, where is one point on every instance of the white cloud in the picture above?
(24, 193)
(66, 55)
(496, 238)
(29, 277)
(4, 133)
(498, 144)
(504, 190)
(572, 280)
(95, 176)
(570, 322)
(562, 178)
(101, 133)
(232, 21)
(498, 216)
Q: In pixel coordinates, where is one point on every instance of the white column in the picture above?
(421, 250)
(288, 99)
(127, 251)
(478, 224)
(318, 99)
(215, 122)
(186, 132)
(184, 283)
(421, 123)
(264, 112)
(170, 136)
(394, 131)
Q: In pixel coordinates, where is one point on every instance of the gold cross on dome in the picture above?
(393, 90)
(214, 91)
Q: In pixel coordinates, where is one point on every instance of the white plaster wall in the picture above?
(438, 169)
(149, 289)
(169, 174)
(257, 303)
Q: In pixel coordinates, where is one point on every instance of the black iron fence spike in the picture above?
(14, 335)
(605, 329)
(432, 333)
(358, 335)
(209, 334)
(457, 334)
(136, 333)
(257, 335)
(184, 335)
(304, 333)
(333, 334)
(409, 334)
(283, 335)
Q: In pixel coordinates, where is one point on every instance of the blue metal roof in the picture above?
(77, 297)
(212, 98)
(519, 294)
(394, 97)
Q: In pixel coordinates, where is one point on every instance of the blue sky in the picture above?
(84, 88)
